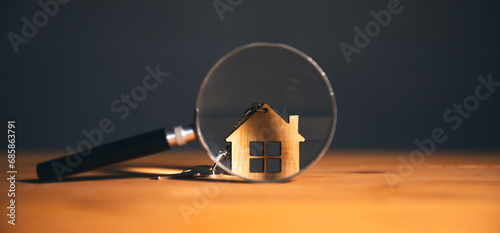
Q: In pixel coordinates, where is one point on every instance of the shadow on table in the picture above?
(141, 171)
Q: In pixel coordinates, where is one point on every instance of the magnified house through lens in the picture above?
(265, 146)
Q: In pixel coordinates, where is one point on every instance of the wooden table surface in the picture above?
(347, 191)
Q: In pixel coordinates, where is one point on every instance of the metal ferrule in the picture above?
(180, 136)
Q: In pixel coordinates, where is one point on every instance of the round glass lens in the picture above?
(269, 109)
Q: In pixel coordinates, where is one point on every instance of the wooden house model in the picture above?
(265, 146)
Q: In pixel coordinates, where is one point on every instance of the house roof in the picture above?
(271, 114)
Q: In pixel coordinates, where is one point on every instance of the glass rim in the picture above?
(326, 81)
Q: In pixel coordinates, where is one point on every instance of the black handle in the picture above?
(130, 148)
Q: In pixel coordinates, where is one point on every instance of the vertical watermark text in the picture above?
(11, 171)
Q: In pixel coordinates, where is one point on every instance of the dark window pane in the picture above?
(273, 148)
(273, 165)
(257, 148)
(256, 165)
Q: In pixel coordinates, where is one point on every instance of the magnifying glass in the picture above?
(264, 112)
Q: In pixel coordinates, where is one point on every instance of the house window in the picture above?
(273, 165)
(266, 160)
(273, 148)
(257, 148)
(256, 165)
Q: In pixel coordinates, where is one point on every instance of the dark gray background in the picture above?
(395, 91)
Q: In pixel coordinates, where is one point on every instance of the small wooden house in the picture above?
(265, 146)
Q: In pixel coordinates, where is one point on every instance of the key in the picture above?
(196, 171)
(224, 155)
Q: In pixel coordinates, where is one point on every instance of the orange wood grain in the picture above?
(344, 192)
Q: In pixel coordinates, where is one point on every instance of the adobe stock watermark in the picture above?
(122, 107)
(222, 7)
(362, 38)
(201, 198)
(453, 117)
(29, 30)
